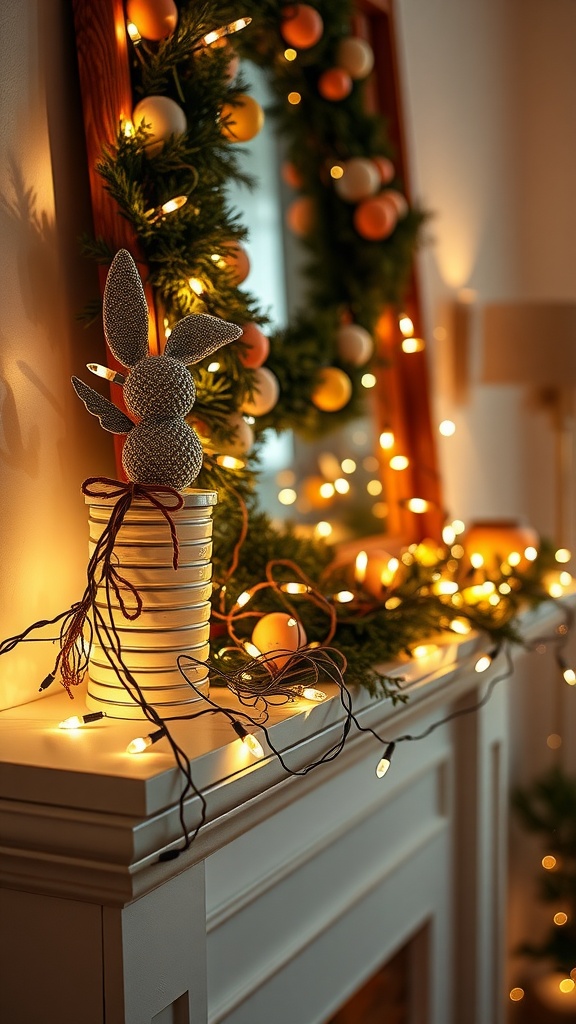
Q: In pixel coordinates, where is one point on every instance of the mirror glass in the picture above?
(331, 486)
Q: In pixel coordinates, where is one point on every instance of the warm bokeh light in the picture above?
(477, 560)
(399, 462)
(458, 526)
(336, 171)
(341, 485)
(294, 98)
(417, 505)
(447, 428)
(516, 994)
(549, 862)
(566, 985)
(554, 741)
(326, 490)
(560, 918)
(344, 596)
(406, 325)
(386, 439)
(410, 345)
(290, 54)
(323, 529)
(374, 487)
(368, 380)
(569, 676)
(348, 466)
(563, 555)
(287, 496)
(530, 553)
(213, 367)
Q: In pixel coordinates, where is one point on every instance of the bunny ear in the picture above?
(198, 336)
(125, 311)
(110, 417)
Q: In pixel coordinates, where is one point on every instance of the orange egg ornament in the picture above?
(334, 84)
(154, 19)
(278, 631)
(236, 259)
(374, 219)
(301, 26)
(254, 347)
(241, 120)
(332, 390)
(291, 176)
(300, 216)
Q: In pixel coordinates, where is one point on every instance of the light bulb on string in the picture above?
(385, 761)
(225, 30)
(134, 33)
(77, 721)
(386, 439)
(411, 345)
(141, 743)
(230, 462)
(406, 325)
(294, 588)
(170, 206)
(484, 662)
(106, 373)
(310, 693)
(248, 739)
(197, 286)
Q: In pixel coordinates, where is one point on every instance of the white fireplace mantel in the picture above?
(296, 889)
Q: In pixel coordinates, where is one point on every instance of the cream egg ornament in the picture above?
(354, 344)
(281, 632)
(242, 437)
(161, 448)
(361, 179)
(266, 393)
(356, 56)
(163, 117)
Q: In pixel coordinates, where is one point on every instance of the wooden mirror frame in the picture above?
(403, 387)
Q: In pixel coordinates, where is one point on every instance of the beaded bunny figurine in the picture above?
(161, 448)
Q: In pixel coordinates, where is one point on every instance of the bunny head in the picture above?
(159, 390)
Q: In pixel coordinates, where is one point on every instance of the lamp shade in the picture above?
(530, 343)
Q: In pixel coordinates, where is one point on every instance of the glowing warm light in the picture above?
(225, 30)
(569, 676)
(555, 590)
(477, 560)
(344, 596)
(380, 510)
(530, 553)
(563, 555)
(294, 98)
(323, 529)
(505, 588)
(106, 372)
(410, 345)
(399, 462)
(294, 588)
(368, 380)
(514, 558)
(424, 650)
(336, 171)
(311, 693)
(326, 490)
(447, 428)
(251, 649)
(483, 663)
(174, 204)
(445, 587)
(457, 550)
(213, 367)
(196, 286)
(566, 985)
(494, 600)
(348, 466)
(374, 487)
(230, 462)
(406, 325)
(385, 761)
(360, 569)
(560, 918)
(134, 32)
(141, 743)
(77, 721)
(549, 862)
(417, 505)
(243, 598)
(386, 439)
(458, 526)
(254, 745)
(128, 129)
(448, 535)
(565, 578)
(341, 485)
(554, 741)
(290, 54)
(461, 626)
(516, 994)
(287, 496)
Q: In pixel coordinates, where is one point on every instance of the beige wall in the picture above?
(48, 444)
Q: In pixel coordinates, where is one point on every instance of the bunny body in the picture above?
(159, 390)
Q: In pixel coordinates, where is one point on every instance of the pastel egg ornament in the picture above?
(242, 436)
(354, 344)
(241, 120)
(301, 26)
(334, 84)
(163, 118)
(154, 19)
(356, 56)
(361, 179)
(332, 390)
(254, 347)
(301, 216)
(238, 262)
(265, 395)
(385, 167)
(278, 631)
(391, 195)
(374, 219)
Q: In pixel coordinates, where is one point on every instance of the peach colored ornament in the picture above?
(238, 262)
(332, 390)
(334, 84)
(266, 393)
(255, 347)
(291, 176)
(278, 631)
(243, 436)
(164, 118)
(354, 344)
(496, 539)
(301, 26)
(385, 168)
(154, 19)
(381, 572)
(375, 220)
(361, 179)
(356, 56)
(246, 118)
(391, 195)
(301, 215)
